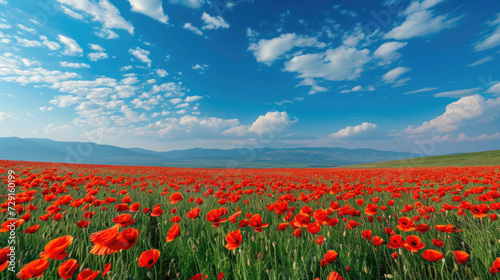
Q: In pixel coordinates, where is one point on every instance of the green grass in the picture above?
(487, 158)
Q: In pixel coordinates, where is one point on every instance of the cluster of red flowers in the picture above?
(355, 198)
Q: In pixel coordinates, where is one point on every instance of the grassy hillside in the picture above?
(467, 159)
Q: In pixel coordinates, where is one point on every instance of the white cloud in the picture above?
(267, 125)
(189, 3)
(463, 137)
(4, 116)
(492, 39)
(5, 41)
(387, 52)
(25, 28)
(95, 56)
(426, 89)
(394, 74)
(27, 43)
(495, 89)
(106, 34)
(358, 88)
(458, 113)
(73, 64)
(420, 21)
(71, 13)
(96, 48)
(64, 101)
(49, 44)
(142, 55)
(315, 88)
(458, 93)
(162, 73)
(201, 68)
(34, 75)
(267, 51)
(192, 28)
(340, 64)
(192, 98)
(151, 8)
(126, 68)
(71, 46)
(482, 60)
(364, 130)
(102, 11)
(211, 22)
(5, 26)
(45, 109)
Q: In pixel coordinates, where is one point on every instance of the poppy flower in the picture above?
(6, 226)
(233, 239)
(319, 240)
(157, 211)
(297, 232)
(394, 255)
(220, 276)
(413, 243)
(55, 248)
(34, 269)
(461, 256)
(88, 274)
(83, 224)
(302, 220)
(377, 240)
(256, 222)
(371, 209)
(438, 243)
(496, 264)
(107, 268)
(214, 216)
(175, 197)
(67, 268)
(173, 232)
(4, 258)
(423, 228)
(352, 224)
(32, 229)
(445, 228)
(366, 234)
(313, 228)
(123, 220)
(199, 276)
(432, 255)
(88, 215)
(389, 231)
(282, 226)
(406, 224)
(334, 275)
(193, 213)
(148, 258)
(134, 208)
(479, 211)
(330, 256)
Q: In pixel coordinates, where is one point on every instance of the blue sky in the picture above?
(415, 76)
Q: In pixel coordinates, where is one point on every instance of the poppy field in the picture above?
(64, 221)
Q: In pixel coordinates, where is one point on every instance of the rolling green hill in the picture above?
(486, 158)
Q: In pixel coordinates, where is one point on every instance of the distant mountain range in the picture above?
(34, 149)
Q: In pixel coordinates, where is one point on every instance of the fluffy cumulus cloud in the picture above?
(189, 3)
(494, 89)
(459, 113)
(266, 51)
(73, 64)
(98, 11)
(339, 64)
(71, 47)
(269, 125)
(387, 52)
(151, 8)
(393, 75)
(362, 131)
(492, 38)
(421, 21)
(142, 55)
(211, 22)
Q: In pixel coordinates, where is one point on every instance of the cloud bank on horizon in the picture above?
(404, 75)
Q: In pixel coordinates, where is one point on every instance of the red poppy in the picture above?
(282, 226)
(148, 258)
(334, 275)
(413, 243)
(256, 222)
(396, 241)
(199, 276)
(461, 256)
(406, 224)
(320, 239)
(4, 258)
(193, 213)
(107, 268)
(123, 220)
(8, 225)
(32, 229)
(297, 232)
(330, 256)
(394, 255)
(313, 228)
(34, 269)
(371, 209)
(377, 240)
(173, 232)
(175, 197)
(55, 248)
(83, 224)
(88, 274)
(438, 243)
(67, 268)
(366, 234)
(134, 208)
(432, 255)
(233, 239)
